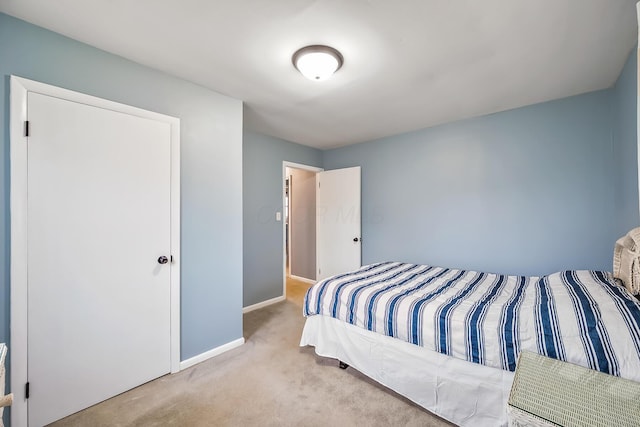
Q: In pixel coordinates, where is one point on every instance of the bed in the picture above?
(449, 339)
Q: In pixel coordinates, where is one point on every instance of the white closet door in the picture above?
(338, 221)
(98, 221)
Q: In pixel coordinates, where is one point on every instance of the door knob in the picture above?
(355, 239)
(163, 260)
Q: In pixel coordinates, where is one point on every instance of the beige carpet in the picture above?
(269, 381)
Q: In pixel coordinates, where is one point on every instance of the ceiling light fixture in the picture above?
(317, 62)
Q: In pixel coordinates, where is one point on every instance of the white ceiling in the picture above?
(409, 64)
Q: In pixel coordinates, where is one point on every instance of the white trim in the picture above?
(19, 88)
(286, 165)
(175, 246)
(211, 353)
(293, 165)
(263, 304)
(303, 279)
(18, 209)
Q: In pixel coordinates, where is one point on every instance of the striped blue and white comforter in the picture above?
(583, 317)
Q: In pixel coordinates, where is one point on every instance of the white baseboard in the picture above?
(211, 353)
(303, 279)
(262, 304)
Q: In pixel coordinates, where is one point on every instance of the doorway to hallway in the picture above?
(299, 225)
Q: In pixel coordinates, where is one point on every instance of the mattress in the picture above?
(583, 317)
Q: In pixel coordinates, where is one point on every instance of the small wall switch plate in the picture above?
(278, 216)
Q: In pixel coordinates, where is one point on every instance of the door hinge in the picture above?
(26, 128)
(26, 390)
(318, 184)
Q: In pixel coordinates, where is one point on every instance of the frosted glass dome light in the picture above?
(317, 62)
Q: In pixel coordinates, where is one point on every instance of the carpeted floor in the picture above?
(269, 381)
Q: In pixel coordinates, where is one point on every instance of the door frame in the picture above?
(286, 165)
(19, 88)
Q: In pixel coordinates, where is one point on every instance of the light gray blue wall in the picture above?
(527, 191)
(211, 161)
(262, 191)
(625, 113)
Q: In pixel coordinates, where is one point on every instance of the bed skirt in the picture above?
(465, 393)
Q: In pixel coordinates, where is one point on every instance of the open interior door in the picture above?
(338, 228)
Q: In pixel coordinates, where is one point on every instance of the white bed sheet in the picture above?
(465, 393)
